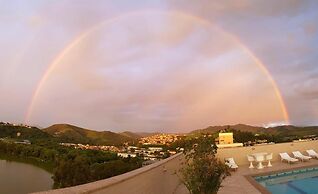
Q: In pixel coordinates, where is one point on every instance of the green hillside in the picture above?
(286, 130)
(22, 133)
(295, 131)
(131, 135)
(73, 134)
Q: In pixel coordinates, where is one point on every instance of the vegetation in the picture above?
(78, 167)
(73, 134)
(21, 133)
(289, 131)
(203, 172)
(249, 137)
(69, 166)
(66, 133)
(245, 133)
(38, 155)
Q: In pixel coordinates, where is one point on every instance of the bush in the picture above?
(203, 173)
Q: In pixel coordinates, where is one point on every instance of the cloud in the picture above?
(311, 28)
(309, 88)
(244, 8)
(140, 75)
(157, 70)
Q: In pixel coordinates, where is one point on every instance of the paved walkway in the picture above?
(158, 178)
(238, 184)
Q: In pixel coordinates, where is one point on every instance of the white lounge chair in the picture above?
(312, 153)
(231, 163)
(285, 157)
(300, 156)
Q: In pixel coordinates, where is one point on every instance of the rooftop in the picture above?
(163, 176)
(239, 182)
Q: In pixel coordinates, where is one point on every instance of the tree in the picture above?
(203, 173)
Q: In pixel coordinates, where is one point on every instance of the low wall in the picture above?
(158, 178)
(240, 153)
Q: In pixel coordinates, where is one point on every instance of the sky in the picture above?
(159, 65)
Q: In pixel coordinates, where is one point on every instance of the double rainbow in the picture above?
(87, 33)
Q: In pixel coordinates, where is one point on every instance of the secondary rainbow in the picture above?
(86, 33)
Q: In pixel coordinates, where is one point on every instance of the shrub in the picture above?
(203, 173)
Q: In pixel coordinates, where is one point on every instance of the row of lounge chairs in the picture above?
(298, 156)
(230, 162)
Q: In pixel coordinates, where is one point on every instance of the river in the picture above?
(20, 178)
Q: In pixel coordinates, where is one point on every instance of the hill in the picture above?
(147, 134)
(241, 127)
(285, 130)
(74, 134)
(131, 135)
(22, 132)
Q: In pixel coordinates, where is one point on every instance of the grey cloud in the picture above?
(309, 88)
(281, 33)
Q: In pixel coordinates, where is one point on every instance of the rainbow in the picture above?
(86, 34)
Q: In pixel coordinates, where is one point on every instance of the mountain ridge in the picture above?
(277, 130)
(74, 134)
(66, 133)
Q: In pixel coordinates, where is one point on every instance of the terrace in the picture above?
(162, 177)
(241, 181)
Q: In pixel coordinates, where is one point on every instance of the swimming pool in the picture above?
(300, 181)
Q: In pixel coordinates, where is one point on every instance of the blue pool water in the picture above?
(301, 181)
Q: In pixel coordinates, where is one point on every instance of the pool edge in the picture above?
(259, 187)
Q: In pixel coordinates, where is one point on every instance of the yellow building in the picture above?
(225, 138)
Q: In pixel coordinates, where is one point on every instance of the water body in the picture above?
(20, 178)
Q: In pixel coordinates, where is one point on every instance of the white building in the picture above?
(126, 155)
(154, 149)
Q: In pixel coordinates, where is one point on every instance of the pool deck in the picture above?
(239, 182)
